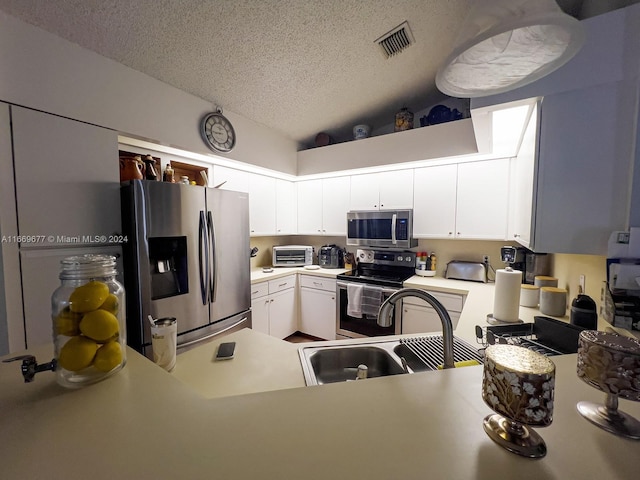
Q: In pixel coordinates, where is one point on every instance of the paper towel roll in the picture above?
(506, 300)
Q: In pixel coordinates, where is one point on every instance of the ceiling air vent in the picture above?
(396, 40)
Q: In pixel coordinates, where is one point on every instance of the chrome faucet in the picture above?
(385, 312)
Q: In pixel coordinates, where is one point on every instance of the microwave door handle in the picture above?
(212, 279)
(393, 229)
(203, 251)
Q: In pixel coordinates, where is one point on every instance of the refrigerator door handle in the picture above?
(203, 248)
(212, 238)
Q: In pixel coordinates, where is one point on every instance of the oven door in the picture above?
(367, 326)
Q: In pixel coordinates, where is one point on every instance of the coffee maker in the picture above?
(531, 264)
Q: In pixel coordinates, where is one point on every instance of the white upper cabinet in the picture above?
(434, 210)
(323, 206)
(286, 207)
(382, 191)
(585, 156)
(483, 199)
(521, 185)
(469, 200)
(230, 179)
(262, 205)
(67, 178)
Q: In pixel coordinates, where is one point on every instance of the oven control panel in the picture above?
(386, 257)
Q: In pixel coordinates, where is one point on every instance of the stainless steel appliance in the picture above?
(531, 264)
(381, 228)
(187, 257)
(292, 255)
(331, 256)
(379, 274)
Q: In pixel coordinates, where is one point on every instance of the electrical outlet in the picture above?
(582, 284)
(485, 259)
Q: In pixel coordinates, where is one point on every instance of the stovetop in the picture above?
(386, 277)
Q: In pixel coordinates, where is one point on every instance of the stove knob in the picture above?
(399, 258)
(408, 259)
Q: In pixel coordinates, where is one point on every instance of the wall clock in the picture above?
(217, 132)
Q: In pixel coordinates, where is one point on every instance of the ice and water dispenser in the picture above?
(168, 266)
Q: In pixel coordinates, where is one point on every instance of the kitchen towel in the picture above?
(371, 300)
(506, 300)
(354, 300)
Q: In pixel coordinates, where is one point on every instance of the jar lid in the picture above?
(86, 266)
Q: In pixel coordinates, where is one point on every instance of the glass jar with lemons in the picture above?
(89, 326)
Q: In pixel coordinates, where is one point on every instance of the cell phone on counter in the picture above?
(225, 351)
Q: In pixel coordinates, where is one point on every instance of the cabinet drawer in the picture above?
(451, 301)
(259, 290)
(283, 283)
(319, 283)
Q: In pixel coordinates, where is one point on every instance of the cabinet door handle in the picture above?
(283, 284)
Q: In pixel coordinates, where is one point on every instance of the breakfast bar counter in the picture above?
(144, 423)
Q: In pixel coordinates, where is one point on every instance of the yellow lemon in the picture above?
(77, 353)
(68, 323)
(99, 325)
(111, 304)
(88, 297)
(108, 357)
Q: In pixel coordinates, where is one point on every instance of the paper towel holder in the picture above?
(492, 320)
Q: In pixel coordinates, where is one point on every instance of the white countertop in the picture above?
(257, 275)
(144, 423)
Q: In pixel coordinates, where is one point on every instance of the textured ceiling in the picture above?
(298, 66)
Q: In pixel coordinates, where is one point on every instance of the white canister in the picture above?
(553, 301)
(545, 281)
(529, 295)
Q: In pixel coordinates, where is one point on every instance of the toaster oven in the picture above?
(292, 255)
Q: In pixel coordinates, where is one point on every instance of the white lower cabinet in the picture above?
(318, 306)
(273, 307)
(419, 317)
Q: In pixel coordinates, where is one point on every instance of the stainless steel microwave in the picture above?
(292, 255)
(381, 228)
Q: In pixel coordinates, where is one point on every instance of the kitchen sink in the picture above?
(338, 361)
(340, 364)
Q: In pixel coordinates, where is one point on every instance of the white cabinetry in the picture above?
(273, 307)
(434, 210)
(382, 191)
(318, 306)
(468, 200)
(584, 165)
(230, 179)
(262, 205)
(323, 206)
(285, 207)
(521, 185)
(67, 178)
(419, 317)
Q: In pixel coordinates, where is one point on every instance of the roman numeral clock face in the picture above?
(217, 132)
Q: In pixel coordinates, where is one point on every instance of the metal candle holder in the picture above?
(518, 384)
(610, 363)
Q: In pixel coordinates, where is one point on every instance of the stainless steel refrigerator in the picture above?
(187, 256)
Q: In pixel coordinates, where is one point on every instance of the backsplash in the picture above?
(567, 268)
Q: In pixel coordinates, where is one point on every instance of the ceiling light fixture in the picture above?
(505, 44)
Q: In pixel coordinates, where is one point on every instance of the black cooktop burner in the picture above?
(388, 277)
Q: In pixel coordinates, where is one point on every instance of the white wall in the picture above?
(45, 72)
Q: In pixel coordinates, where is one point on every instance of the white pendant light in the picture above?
(505, 44)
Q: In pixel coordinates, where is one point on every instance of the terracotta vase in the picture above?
(131, 168)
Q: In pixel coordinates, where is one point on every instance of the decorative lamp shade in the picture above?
(505, 44)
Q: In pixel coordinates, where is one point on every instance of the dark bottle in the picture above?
(149, 168)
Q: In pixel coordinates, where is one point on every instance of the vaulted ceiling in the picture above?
(298, 66)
